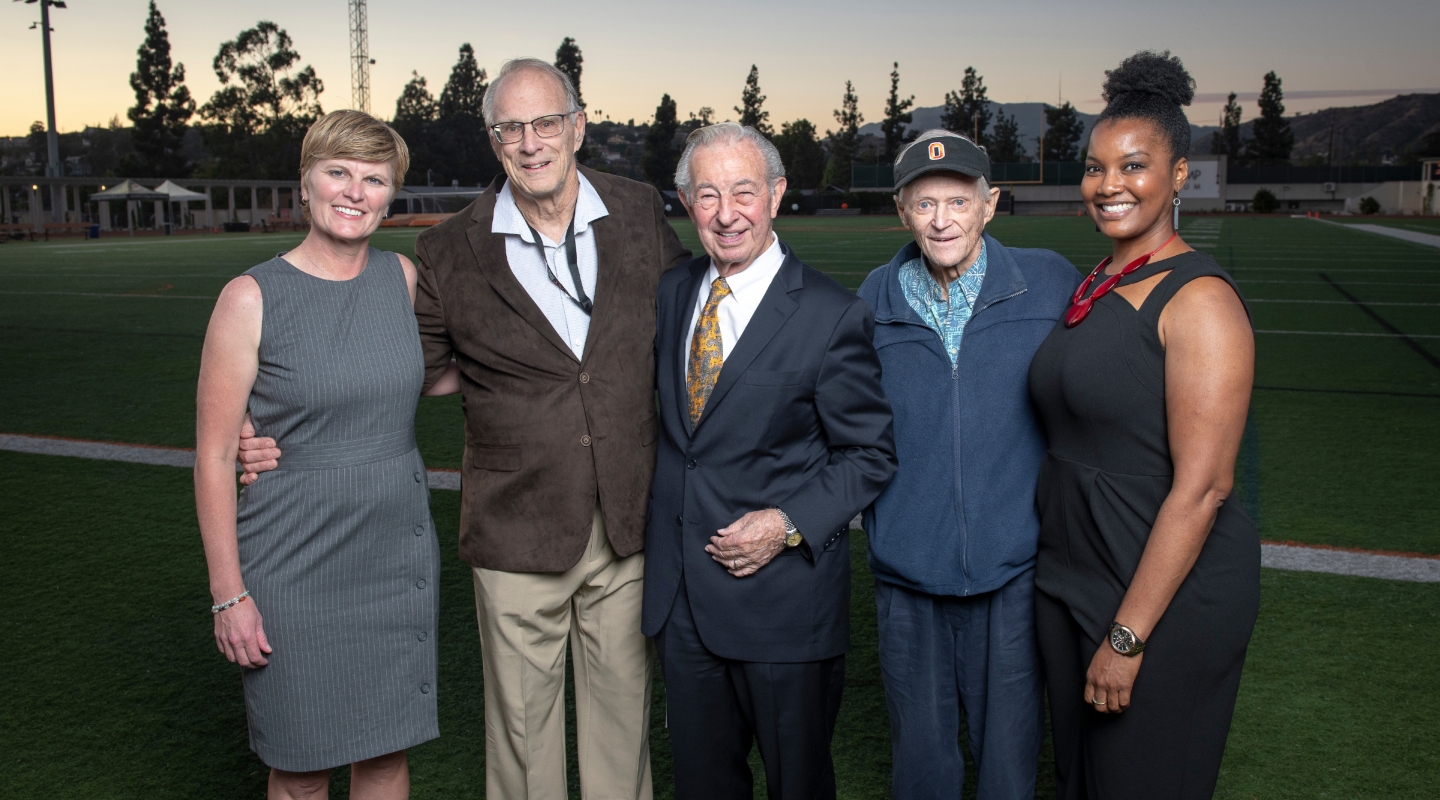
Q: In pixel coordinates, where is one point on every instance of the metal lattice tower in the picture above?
(360, 60)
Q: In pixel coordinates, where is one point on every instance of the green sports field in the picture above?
(115, 689)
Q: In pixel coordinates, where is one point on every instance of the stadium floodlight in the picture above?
(53, 168)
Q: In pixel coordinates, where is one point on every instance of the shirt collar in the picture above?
(758, 275)
(968, 284)
(508, 219)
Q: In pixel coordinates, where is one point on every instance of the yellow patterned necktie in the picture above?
(707, 354)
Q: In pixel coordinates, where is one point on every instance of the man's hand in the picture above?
(255, 455)
(749, 542)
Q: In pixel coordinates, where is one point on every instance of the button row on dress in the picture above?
(420, 584)
(419, 530)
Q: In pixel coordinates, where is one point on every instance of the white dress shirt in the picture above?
(747, 289)
(529, 265)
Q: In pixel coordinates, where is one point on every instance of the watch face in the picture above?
(793, 540)
(1121, 639)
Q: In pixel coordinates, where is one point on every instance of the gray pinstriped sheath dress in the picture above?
(337, 546)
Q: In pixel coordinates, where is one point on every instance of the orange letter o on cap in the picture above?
(937, 151)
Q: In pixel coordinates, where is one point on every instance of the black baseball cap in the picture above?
(949, 153)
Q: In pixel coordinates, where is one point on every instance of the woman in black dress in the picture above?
(1143, 389)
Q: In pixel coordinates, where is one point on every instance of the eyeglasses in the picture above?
(546, 127)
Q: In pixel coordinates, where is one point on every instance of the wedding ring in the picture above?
(1098, 702)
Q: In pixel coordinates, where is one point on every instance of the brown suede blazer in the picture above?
(545, 434)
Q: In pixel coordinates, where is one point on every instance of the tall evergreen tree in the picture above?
(462, 143)
(1063, 130)
(569, 61)
(897, 116)
(1272, 140)
(265, 105)
(801, 153)
(1226, 141)
(163, 106)
(660, 157)
(415, 114)
(843, 141)
(751, 102)
(1004, 146)
(968, 110)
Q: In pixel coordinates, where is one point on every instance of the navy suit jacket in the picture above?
(797, 421)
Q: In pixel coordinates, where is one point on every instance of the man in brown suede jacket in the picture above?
(543, 293)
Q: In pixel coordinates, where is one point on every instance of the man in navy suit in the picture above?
(775, 433)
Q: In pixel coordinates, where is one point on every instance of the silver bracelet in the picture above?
(234, 601)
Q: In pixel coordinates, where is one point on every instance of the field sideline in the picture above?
(119, 692)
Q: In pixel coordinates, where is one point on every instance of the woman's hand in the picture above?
(240, 635)
(1110, 679)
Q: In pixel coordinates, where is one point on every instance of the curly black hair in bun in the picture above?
(1153, 86)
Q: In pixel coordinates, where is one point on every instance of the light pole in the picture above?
(53, 168)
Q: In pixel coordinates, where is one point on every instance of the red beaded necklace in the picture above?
(1080, 304)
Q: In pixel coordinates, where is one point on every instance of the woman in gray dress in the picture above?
(324, 573)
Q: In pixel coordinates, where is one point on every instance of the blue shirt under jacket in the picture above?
(959, 517)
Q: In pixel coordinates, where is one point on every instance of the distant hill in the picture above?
(1363, 134)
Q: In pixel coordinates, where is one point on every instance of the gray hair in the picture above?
(937, 133)
(517, 65)
(728, 133)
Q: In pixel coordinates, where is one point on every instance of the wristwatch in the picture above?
(792, 534)
(1124, 641)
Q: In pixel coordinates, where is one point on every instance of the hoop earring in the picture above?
(304, 202)
(1177, 213)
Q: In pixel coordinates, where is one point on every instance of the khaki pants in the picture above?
(525, 619)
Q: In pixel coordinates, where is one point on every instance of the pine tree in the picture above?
(260, 115)
(751, 100)
(464, 92)
(660, 156)
(801, 153)
(968, 110)
(415, 113)
(569, 61)
(462, 142)
(1226, 141)
(843, 141)
(1004, 146)
(1272, 138)
(897, 116)
(163, 106)
(1063, 130)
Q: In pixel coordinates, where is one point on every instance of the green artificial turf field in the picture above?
(116, 690)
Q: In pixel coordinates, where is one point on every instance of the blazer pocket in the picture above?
(649, 430)
(499, 458)
(760, 377)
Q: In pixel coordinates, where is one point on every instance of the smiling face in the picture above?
(732, 205)
(348, 198)
(1130, 181)
(947, 214)
(538, 168)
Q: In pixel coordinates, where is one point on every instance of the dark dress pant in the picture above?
(717, 707)
(939, 655)
(1170, 741)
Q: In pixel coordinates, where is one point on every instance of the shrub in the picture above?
(1369, 205)
(1265, 202)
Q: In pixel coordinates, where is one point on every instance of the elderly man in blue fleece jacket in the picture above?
(958, 317)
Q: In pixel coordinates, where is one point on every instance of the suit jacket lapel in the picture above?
(494, 265)
(685, 298)
(774, 309)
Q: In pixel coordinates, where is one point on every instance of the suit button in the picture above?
(585, 440)
(584, 377)
(690, 464)
(679, 520)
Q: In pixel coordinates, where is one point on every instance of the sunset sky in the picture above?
(1327, 53)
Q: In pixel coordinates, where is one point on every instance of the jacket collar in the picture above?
(1003, 280)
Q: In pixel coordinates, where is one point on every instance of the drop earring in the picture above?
(1177, 214)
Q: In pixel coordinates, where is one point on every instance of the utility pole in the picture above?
(53, 167)
(360, 59)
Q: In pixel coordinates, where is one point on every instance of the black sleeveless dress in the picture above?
(1099, 389)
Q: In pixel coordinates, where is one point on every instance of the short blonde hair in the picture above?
(358, 136)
